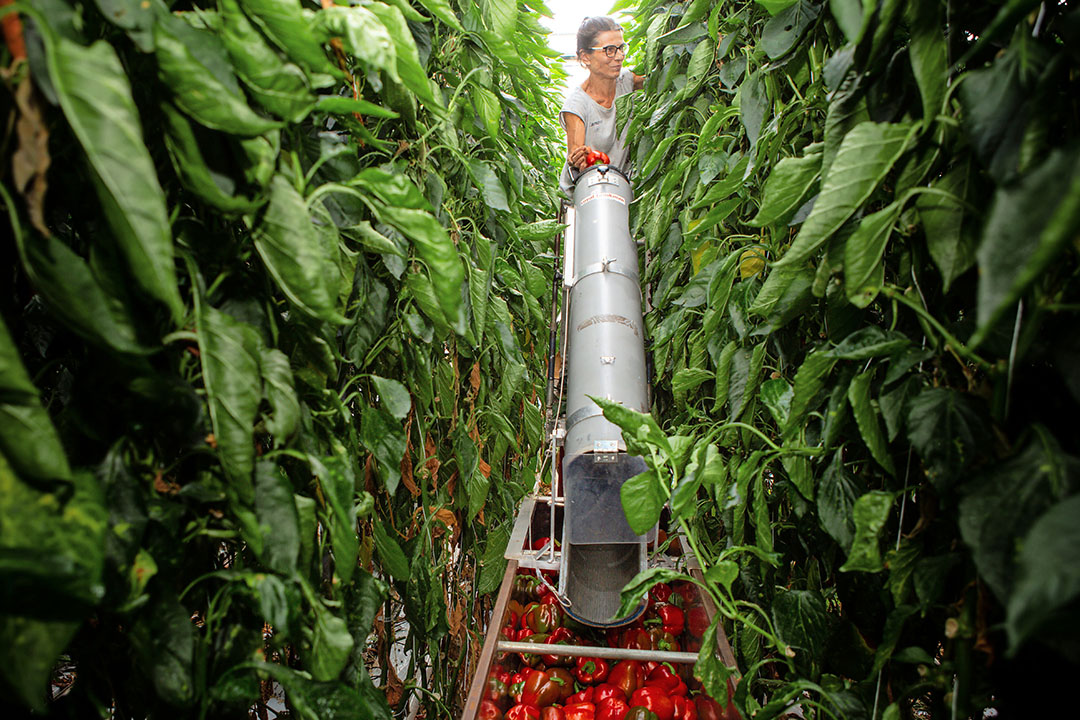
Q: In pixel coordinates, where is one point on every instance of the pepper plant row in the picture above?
(268, 389)
(861, 223)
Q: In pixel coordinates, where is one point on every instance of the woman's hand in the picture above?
(576, 158)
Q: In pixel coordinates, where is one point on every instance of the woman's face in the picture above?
(597, 61)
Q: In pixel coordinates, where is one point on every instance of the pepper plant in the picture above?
(268, 384)
(860, 221)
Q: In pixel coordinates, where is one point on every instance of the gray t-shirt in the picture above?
(599, 125)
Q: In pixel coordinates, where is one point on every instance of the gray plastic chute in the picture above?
(605, 358)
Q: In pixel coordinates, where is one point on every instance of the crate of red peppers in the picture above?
(547, 685)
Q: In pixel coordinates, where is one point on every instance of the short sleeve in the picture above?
(575, 105)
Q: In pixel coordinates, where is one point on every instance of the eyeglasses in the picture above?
(610, 50)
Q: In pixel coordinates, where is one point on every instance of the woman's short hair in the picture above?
(590, 28)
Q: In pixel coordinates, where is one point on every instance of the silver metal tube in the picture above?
(604, 653)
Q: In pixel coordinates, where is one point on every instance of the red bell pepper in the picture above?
(526, 588)
(580, 711)
(687, 592)
(605, 691)
(663, 640)
(496, 688)
(697, 622)
(685, 709)
(528, 636)
(637, 639)
(672, 618)
(585, 696)
(627, 676)
(565, 681)
(640, 713)
(488, 711)
(654, 699)
(613, 708)
(523, 712)
(590, 670)
(540, 689)
(552, 713)
(709, 709)
(560, 636)
(665, 678)
(543, 618)
(660, 592)
(515, 685)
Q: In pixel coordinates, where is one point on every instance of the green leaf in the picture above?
(192, 167)
(836, 502)
(776, 6)
(276, 514)
(863, 252)
(363, 36)
(801, 620)
(866, 417)
(1048, 577)
(786, 189)
(870, 342)
(384, 437)
(442, 10)
(776, 395)
(949, 239)
(949, 430)
(95, 95)
(928, 54)
(409, 67)
(687, 379)
(390, 553)
(710, 669)
(809, 382)
(865, 157)
(229, 352)
(281, 88)
(639, 429)
(1028, 226)
(280, 392)
(285, 23)
(643, 497)
(871, 513)
(339, 105)
(754, 105)
(701, 62)
(489, 185)
(338, 483)
(193, 65)
(329, 642)
(1005, 499)
(890, 635)
(163, 639)
(393, 396)
(301, 264)
(501, 16)
(28, 439)
(783, 30)
(849, 16)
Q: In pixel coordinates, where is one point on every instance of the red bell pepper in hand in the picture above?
(613, 708)
(590, 670)
(580, 711)
(605, 691)
(488, 711)
(523, 712)
(627, 676)
(665, 678)
(654, 699)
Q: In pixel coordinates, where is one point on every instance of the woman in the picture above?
(588, 115)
